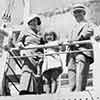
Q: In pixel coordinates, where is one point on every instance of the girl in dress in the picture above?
(52, 66)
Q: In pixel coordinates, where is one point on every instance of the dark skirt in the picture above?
(53, 73)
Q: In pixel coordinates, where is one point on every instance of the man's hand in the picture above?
(97, 38)
(20, 45)
(88, 34)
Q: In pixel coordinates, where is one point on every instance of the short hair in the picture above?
(79, 10)
(34, 19)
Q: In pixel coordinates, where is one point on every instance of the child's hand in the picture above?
(97, 38)
(62, 47)
(89, 33)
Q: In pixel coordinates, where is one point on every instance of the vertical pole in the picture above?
(96, 68)
(3, 59)
(26, 9)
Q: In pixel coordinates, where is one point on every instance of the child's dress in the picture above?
(52, 63)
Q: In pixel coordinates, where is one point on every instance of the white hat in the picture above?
(79, 7)
(28, 19)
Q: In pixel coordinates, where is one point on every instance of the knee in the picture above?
(80, 63)
(45, 79)
(71, 65)
(80, 58)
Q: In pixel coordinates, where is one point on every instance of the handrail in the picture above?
(54, 45)
(48, 54)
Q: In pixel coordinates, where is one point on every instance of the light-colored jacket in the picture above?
(29, 38)
(82, 31)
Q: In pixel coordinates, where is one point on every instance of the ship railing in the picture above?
(16, 57)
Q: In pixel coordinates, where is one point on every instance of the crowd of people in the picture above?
(39, 69)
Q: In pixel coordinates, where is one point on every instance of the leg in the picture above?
(55, 74)
(53, 86)
(46, 85)
(40, 85)
(50, 85)
(71, 74)
(81, 71)
(25, 78)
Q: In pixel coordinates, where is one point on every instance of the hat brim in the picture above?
(37, 18)
(79, 9)
(29, 18)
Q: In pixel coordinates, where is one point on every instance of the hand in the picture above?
(20, 45)
(60, 43)
(6, 47)
(89, 33)
(97, 38)
(62, 47)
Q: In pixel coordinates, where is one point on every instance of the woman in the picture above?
(28, 38)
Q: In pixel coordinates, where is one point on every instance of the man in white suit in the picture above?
(78, 63)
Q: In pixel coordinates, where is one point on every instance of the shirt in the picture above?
(29, 38)
(82, 31)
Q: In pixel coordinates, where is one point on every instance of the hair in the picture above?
(54, 36)
(35, 18)
(84, 12)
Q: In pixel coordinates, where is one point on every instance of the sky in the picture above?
(42, 5)
(36, 6)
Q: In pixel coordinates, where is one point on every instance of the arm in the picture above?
(97, 34)
(20, 40)
(89, 31)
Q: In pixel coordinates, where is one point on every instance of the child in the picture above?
(52, 66)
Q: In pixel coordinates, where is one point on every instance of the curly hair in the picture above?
(50, 33)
